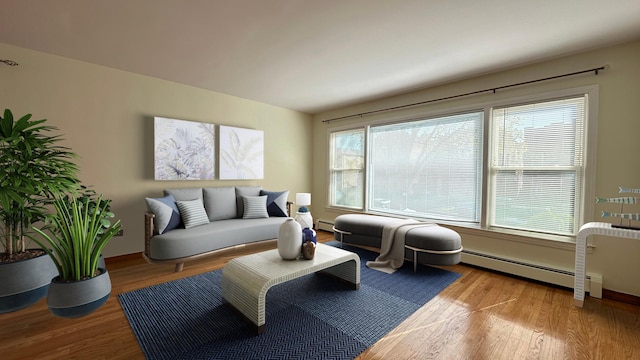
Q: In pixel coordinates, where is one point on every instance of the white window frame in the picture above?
(585, 207)
(330, 172)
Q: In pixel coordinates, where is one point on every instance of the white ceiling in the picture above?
(315, 55)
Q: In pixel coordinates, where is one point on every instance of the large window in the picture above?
(517, 166)
(428, 168)
(537, 165)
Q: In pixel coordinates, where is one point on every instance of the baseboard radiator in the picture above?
(325, 225)
(564, 278)
(560, 277)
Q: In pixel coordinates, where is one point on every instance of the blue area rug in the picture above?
(313, 317)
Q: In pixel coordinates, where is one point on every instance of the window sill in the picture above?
(545, 240)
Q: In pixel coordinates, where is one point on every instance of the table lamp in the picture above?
(303, 216)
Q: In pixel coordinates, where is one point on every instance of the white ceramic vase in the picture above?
(289, 240)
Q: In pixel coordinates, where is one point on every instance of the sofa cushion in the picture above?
(220, 203)
(245, 191)
(215, 235)
(255, 207)
(367, 225)
(185, 193)
(167, 215)
(276, 202)
(192, 212)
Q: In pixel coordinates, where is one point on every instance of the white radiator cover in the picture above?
(560, 277)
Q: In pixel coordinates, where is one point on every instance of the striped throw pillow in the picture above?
(255, 207)
(193, 213)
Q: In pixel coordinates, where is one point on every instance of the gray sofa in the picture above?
(190, 223)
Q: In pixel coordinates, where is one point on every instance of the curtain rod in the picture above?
(594, 70)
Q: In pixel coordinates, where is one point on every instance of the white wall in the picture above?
(617, 150)
(106, 117)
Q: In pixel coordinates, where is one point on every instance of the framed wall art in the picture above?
(184, 150)
(241, 153)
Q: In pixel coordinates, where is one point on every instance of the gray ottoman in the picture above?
(431, 245)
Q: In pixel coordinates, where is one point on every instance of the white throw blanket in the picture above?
(391, 255)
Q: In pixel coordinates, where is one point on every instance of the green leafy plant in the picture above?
(76, 234)
(33, 167)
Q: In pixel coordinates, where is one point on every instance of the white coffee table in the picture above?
(246, 279)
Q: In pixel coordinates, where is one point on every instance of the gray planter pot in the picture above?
(25, 282)
(78, 298)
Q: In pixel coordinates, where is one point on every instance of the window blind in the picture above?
(428, 168)
(537, 165)
(347, 168)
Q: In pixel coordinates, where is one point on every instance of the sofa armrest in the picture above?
(148, 232)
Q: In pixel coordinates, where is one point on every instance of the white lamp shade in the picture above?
(303, 199)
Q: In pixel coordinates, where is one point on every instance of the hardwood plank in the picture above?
(483, 315)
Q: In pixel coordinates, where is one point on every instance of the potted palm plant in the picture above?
(74, 237)
(33, 167)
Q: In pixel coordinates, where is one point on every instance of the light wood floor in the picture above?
(483, 315)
